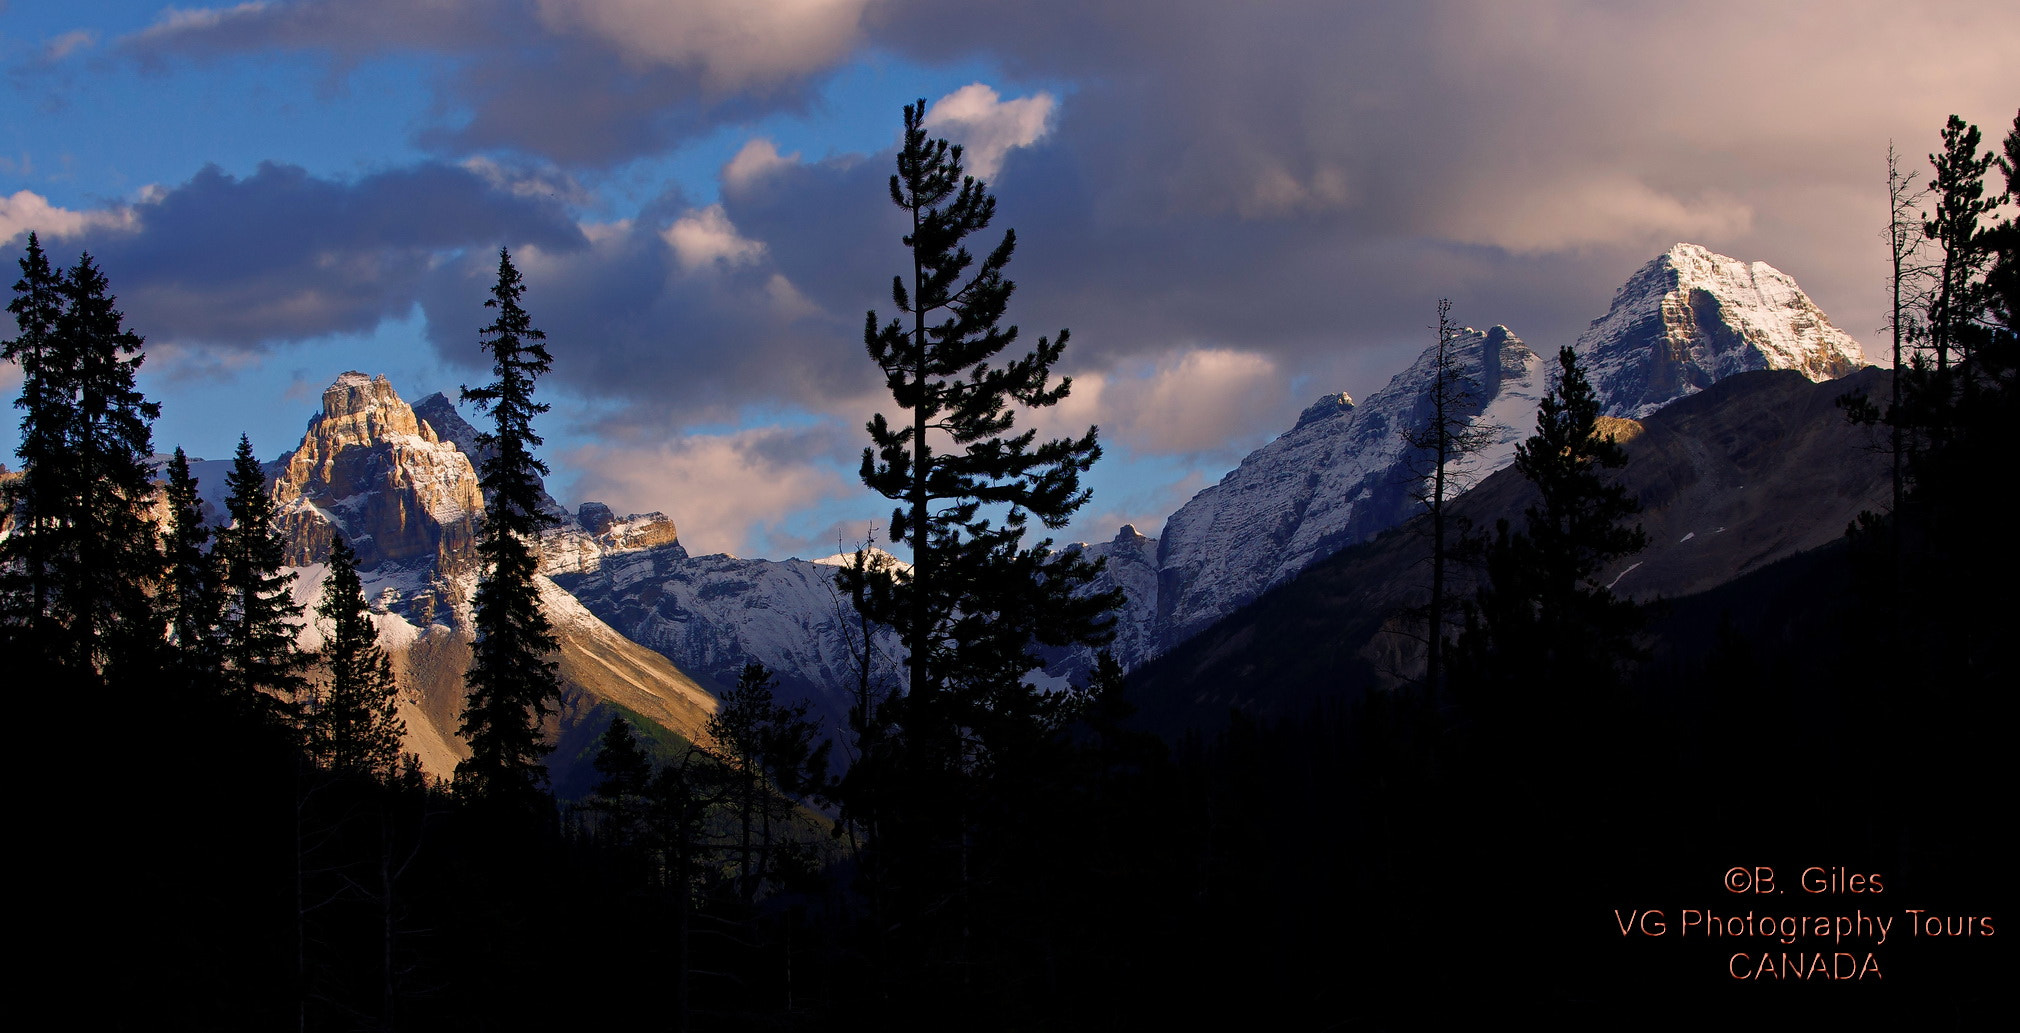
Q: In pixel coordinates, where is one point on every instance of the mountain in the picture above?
(1755, 469)
(660, 627)
(407, 501)
(1341, 474)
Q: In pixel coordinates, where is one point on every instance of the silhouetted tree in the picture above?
(977, 598)
(357, 726)
(627, 774)
(1442, 446)
(36, 500)
(88, 554)
(1957, 297)
(1544, 634)
(512, 679)
(262, 619)
(768, 748)
(192, 598)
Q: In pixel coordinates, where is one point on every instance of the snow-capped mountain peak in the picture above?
(1691, 317)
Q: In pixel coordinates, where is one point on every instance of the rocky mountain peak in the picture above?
(1692, 317)
(1325, 408)
(370, 469)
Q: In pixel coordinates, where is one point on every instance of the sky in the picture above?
(1235, 209)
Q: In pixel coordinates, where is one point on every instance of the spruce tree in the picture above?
(263, 661)
(1544, 634)
(356, 725)
(512, 680)
(192, 597)
(36, 500)
(87, 557)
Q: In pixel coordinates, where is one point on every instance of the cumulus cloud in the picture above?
(29, 212)
(704, 237)
(988, 127)
(754, 160)
(676, 315)
(725, 492)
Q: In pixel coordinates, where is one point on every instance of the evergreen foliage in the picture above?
(34, 500)
(940, 781)
(356, 724)
(264, 663)
(513, 682)
(976, 596)
(83, 558)
(1542, 620)
(1958, 295)
(192, 596)
(768, 749)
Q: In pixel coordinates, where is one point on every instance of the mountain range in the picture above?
(656, 632)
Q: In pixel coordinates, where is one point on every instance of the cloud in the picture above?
(754, 161)
(704, 237)
(1195, 401)
(27, 211)
(986, 126)
(585, 83)
(676, 316)
(1601, 210)
(733, 43)
(725, 492)
(69, 43)
(223, 262)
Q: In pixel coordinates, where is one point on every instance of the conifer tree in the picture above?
(1542, 622)
(976, 596)
(769, 749)
(939, 785)
(192, 597)
(357, 727)
(36, 498)
(87, 557)
(262, 659)
(512, 680)
(1961, 202)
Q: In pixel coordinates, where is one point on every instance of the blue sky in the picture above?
(1234, 210)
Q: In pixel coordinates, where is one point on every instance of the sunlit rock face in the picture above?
(1691, 318)
(369, 468)
(596, 534)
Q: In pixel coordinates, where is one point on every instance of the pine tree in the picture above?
(262, 659)
(977, 598)
(2002, 281)
(1958, 296)
(357, 727)
(513, 685)
(87, 557)
(192, 597)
